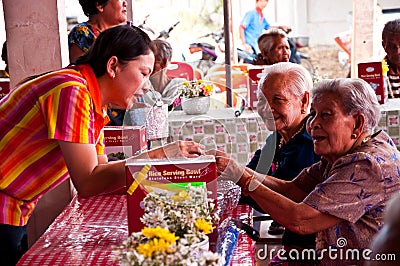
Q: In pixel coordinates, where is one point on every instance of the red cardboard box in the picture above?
(126, 139)
(372, 73)
(253, 87)
(202, 169)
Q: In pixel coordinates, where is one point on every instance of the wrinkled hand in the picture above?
(227, 167)
(189, 149)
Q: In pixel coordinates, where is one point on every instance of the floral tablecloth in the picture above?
(390, 120)
(220, 129)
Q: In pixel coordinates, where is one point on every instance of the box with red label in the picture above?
(253, 87)
(372, 73)
(124, 140)
(164, 173)
(4, 87)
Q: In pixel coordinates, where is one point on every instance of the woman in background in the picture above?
(102, 15)
(165, 88)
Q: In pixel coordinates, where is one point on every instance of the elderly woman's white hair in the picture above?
(299, 78)
(357, 97)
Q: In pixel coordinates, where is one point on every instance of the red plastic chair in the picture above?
(180, 70)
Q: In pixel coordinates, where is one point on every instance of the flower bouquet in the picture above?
(196, 88)
(195, 96)
(175, 223)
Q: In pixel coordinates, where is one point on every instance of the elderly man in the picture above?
(391, 45)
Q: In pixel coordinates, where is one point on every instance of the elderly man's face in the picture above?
(280, 51)
(392, 48)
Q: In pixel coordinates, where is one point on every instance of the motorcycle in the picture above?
(211, 56)
(164, 34)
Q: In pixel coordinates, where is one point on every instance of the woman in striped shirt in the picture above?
(51, 129)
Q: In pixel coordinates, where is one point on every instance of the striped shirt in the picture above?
(394, 79)
(61, 105)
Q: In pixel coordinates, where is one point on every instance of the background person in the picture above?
(284, 94)
(391, 45)
(252, 25)
(51, 129)
(274, 48)
(343, 195)
(165, 88)
(4, 56)
(102, 15)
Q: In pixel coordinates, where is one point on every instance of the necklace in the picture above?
(282, 141)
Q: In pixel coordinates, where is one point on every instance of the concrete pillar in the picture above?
(36, 33)
(130, 10)
(366, 44)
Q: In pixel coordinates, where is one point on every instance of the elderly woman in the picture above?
(165, 88)
(51, 129)
(343, 196)
(284, 104)
(274, 48)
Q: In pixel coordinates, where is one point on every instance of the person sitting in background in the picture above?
(164, 88)
(385, 246)
(342, 197)
(56, 131)
(274, 47)
(391, 45)
(102, 15)
(285, 88)
(4, 73)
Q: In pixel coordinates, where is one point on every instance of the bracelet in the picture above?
(245, 189)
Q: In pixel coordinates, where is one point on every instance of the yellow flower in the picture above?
(204, 226)
(146, 249)
(385, 67)
(160, 233)
(183, 195)
(208, 88)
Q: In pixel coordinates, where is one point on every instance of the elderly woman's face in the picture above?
(279, 108)
(115, 11)
(329, 127)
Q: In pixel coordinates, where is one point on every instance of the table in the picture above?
(87, 228)
(390, 120)
(220, 129)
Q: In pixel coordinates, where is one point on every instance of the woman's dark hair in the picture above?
(89, 7)
(125, 42)
(391, 27)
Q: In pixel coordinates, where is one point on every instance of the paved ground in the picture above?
(325, 58)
